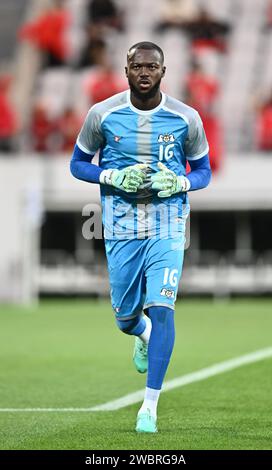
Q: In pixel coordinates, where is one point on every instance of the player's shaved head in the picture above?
(145, 45)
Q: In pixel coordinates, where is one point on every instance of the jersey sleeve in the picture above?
(196, 144)
(90, 137)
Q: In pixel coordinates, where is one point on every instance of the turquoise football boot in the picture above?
(146, 422)
(140, 355)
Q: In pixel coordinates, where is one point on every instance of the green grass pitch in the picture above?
(71, 354)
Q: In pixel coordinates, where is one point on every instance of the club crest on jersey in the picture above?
(166, 138)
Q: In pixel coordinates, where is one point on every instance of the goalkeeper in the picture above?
(145, 139)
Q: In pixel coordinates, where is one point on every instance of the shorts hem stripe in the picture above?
(127, 317)
(158, 304)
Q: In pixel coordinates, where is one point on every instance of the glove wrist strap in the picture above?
(185, 184)
(105, 177)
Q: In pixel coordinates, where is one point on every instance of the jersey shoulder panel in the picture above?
(181, 109)
(108, 106)
(196, 145)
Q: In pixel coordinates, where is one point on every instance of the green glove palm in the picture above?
(168, 183)
(129, 179)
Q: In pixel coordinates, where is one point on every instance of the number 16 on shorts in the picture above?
(170, 277)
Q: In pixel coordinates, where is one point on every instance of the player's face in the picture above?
(144, 72)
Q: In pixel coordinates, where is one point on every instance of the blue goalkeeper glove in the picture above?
(129, 179)
(168, 183)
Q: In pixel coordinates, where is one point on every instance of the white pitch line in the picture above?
(138, 396)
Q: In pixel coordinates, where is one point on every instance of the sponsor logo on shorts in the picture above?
(170, 294)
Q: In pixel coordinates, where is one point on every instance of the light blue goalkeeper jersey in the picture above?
(124, 135)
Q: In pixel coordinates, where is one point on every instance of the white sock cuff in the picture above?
(145, 335)
(152, 394)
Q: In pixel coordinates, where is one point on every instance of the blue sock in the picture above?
(160, 345)
(134, 326)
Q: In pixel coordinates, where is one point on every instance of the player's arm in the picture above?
(82, 168)
(197, 154)
(200, 174)
(90, 140)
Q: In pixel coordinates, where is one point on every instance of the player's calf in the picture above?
(159, 353)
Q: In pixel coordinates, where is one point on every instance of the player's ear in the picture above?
(163, 71)
(126, 71)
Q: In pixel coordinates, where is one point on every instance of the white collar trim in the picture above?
(150, 111)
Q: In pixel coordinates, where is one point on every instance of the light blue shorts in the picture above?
(144, 273)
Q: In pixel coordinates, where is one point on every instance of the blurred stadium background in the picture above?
(57, 58)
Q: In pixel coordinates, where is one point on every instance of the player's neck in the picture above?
(145, 103)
